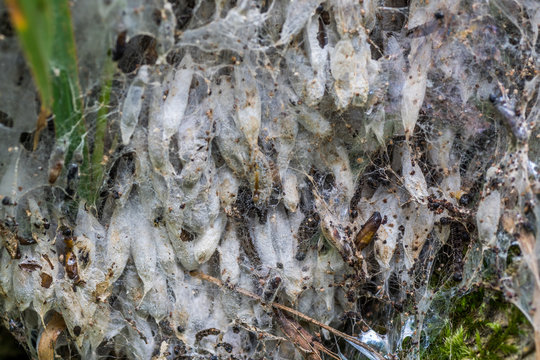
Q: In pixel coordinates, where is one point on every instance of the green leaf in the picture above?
(45, 32)
(46, 35)
(92, 178)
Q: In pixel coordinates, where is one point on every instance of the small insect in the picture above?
(348, 247)
(70, 260)
(71, 266)
(206, 332)
(438, 206)
(368, 230)
(55, 170)
(324, 20)
(29, 265)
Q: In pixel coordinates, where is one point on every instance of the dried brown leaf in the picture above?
(47, 340)
(10, 241)
(46, 280)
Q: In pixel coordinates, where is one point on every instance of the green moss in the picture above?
(481, 325)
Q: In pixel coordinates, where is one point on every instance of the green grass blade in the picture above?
(33, 21)
(92, 179)
(46, 35)
(67, 105)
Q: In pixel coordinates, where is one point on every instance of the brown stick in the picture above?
(299, 336)
(248, 293)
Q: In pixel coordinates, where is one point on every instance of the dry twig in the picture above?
(289, 310)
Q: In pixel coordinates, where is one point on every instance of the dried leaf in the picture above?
(10, 241)
(46, 280)
(47, 340)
